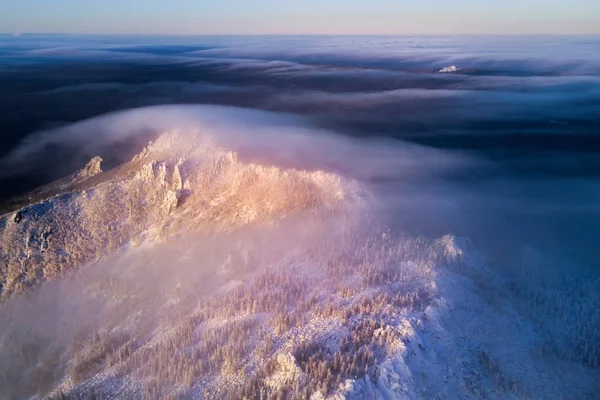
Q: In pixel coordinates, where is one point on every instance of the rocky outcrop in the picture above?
(287, 372)
(175, 184)
(92, 168)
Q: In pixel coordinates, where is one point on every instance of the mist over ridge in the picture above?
(302, 217)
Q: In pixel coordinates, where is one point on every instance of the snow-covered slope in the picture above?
(191, 272)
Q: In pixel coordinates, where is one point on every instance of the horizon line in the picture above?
(20, 33)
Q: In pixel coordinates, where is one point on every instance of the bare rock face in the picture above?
(93, 167)
(286, 373)
(164, 176)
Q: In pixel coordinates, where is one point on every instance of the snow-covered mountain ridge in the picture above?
(176, 184)
(195, 272)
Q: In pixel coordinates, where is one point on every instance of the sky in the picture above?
(301, 16)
